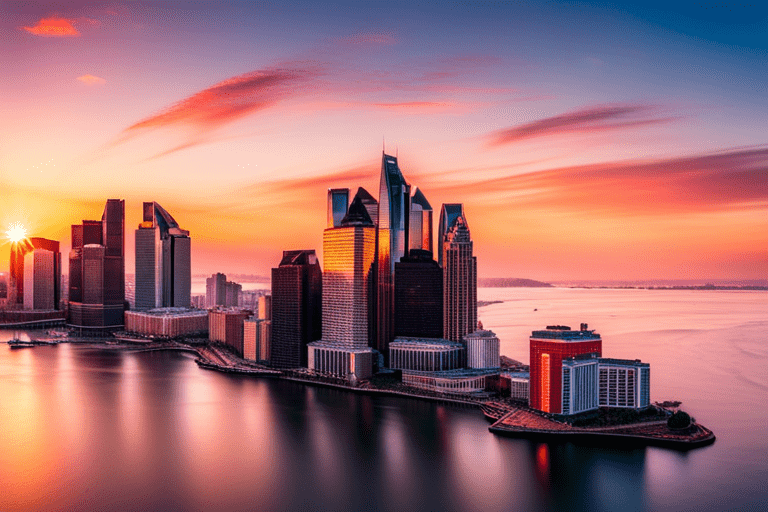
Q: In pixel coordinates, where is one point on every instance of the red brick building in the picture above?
(548, 349)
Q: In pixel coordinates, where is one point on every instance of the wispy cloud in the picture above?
(91, 80)
(726, 181)
(226, 102)
(586, 120)
(54, 27)
(367, 39)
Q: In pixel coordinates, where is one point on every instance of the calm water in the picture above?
(90, 429)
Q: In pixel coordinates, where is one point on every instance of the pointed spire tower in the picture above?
(393, 234)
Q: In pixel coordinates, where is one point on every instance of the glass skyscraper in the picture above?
(393, 234)
(459, 278)
(97, 270)
(163, 266)
(348, 271)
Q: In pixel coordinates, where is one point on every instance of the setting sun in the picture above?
(16, 232)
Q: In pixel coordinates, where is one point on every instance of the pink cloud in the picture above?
(54, 27)
(730, 180)
(586, 120)
(91, 80)
(226, 102)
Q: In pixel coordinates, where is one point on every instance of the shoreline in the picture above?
(508, 420)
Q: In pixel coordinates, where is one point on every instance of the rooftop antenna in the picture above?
(396, 152)
(383, 145)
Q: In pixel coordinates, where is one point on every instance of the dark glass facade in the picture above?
(97, 276)
(296, 308)
(418, 296)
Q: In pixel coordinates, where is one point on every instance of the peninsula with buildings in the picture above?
(380, 315)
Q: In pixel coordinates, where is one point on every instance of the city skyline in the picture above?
(586, 142)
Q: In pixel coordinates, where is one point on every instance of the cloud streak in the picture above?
(586, 120)
(53, 27)
(91, 80)
(727, 181)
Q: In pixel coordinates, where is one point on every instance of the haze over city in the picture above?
(590, 141)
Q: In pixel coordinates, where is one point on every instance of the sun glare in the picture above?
(16, 232)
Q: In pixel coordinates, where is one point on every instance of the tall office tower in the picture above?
(459, 280)
(17, 274)
(418, 296)
(393, 233)
(421, 221)
(338, 201)
(548, 349)
(39, 278)
(448, 215)
(163, 270)
(350, 256)
(97, 270)
(297, 286)
(215, 290)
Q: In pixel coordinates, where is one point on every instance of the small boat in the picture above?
(18, 343)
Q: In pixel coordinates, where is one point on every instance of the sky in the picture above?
(602, 141)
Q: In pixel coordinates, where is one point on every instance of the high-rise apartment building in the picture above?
(420, 221)
(220, 292)
(39, 279)
(548, 349)
(459, 278)
(17, 268)
(349, 251)
(296, 302)
(163, 267)
(97, 270)
(418, 296)
(393, 233)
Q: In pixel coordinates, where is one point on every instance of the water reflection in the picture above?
(91, 429)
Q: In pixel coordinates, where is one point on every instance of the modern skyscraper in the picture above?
(548, 349)
(296, 307)
(39, 279)
(338, 201)
(17, 273)
(163, 268)
(418, 296)
(420, 221)
(448, 214)
(459, 279)
(393, 232)
(348, 273)
(97, 270)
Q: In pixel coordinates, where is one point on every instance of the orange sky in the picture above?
(579, 163)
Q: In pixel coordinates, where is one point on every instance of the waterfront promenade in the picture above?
(509, 419)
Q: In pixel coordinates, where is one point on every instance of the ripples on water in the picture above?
(91, 429)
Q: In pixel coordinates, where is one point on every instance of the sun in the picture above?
(16, 232)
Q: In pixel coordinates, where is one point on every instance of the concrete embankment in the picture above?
(530, 425)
